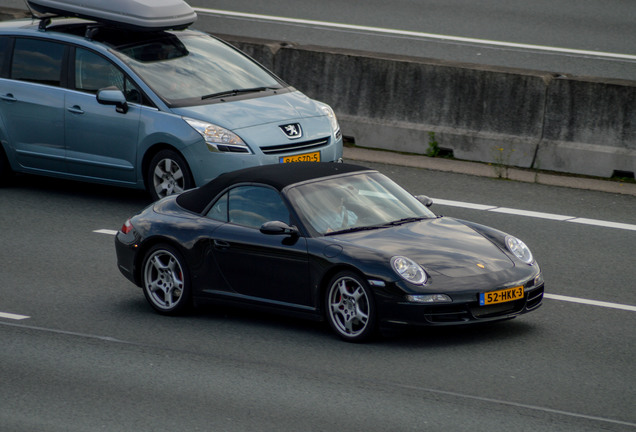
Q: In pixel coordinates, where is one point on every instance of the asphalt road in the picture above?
(91, 355)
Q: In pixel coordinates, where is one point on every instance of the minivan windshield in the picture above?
(185, 68)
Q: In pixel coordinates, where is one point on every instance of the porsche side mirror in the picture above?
(113, 96)
(424, 200)
(279, 228)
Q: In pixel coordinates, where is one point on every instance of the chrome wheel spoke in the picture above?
(349, 306)
(168, 178)
(164, 280)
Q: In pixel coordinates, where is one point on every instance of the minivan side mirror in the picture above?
(113, 96)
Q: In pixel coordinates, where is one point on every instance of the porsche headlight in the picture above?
(333, 121)
(409, 270)
(519, 249)
(218, 138)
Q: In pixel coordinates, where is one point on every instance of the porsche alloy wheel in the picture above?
(165, 281)
(350, 307)
(168, 174)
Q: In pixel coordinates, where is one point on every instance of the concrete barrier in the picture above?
(507, 117)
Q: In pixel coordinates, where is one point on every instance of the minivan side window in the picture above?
(93, 72)
(4, 56)
(38, 61)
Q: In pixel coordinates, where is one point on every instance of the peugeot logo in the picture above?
(292, 131)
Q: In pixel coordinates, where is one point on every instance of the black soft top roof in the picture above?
(278, 176)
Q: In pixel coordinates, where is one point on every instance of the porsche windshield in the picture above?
(355, 202)
(191, 66)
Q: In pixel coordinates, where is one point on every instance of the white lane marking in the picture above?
(462, 204)
(105, 231)
(590, 302)
(529, 213)
(13, 316)
(413, 34)
(539, 215)
(603, 223)
(516, 404)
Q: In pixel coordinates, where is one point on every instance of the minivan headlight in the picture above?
(218, 138)
(333, 121)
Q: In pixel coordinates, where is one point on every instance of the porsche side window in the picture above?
(219, 209)
(254, 205)
(93, 72)
(38, 61)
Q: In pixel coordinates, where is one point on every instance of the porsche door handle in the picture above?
(220, 244)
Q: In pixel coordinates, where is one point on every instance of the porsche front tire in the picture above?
(350, 307)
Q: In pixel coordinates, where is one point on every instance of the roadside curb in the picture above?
(487, 170)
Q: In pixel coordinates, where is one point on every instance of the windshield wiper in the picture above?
(354, 229)
(406, 220)
(235, 92)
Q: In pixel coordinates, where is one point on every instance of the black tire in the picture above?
(350, 307)
(165, 279)
(168, 174)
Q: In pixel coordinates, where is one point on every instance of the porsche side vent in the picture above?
(534, 299)
(293, 147)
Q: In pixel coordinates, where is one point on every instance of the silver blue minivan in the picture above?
(162, 110)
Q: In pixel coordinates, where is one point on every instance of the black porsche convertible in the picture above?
(330, 241)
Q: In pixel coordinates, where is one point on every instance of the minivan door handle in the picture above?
(8, 97)
(76, 109)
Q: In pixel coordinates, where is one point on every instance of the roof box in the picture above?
(131, 14)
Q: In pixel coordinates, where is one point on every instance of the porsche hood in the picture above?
(443, 245)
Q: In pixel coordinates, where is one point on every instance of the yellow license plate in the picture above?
(305, 157)
(501, 296)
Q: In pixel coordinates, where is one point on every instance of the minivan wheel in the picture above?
(168, 174)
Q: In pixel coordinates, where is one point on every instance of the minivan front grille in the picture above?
(294, 147)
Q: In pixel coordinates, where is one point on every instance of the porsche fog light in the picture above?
(409, 270)
(218, 138)
(519, 249)
(429, 298)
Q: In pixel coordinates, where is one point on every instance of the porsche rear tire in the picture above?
(350, 307)
(166, 281)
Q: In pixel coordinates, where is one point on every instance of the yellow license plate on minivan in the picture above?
(305, 157)
(501, 296)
